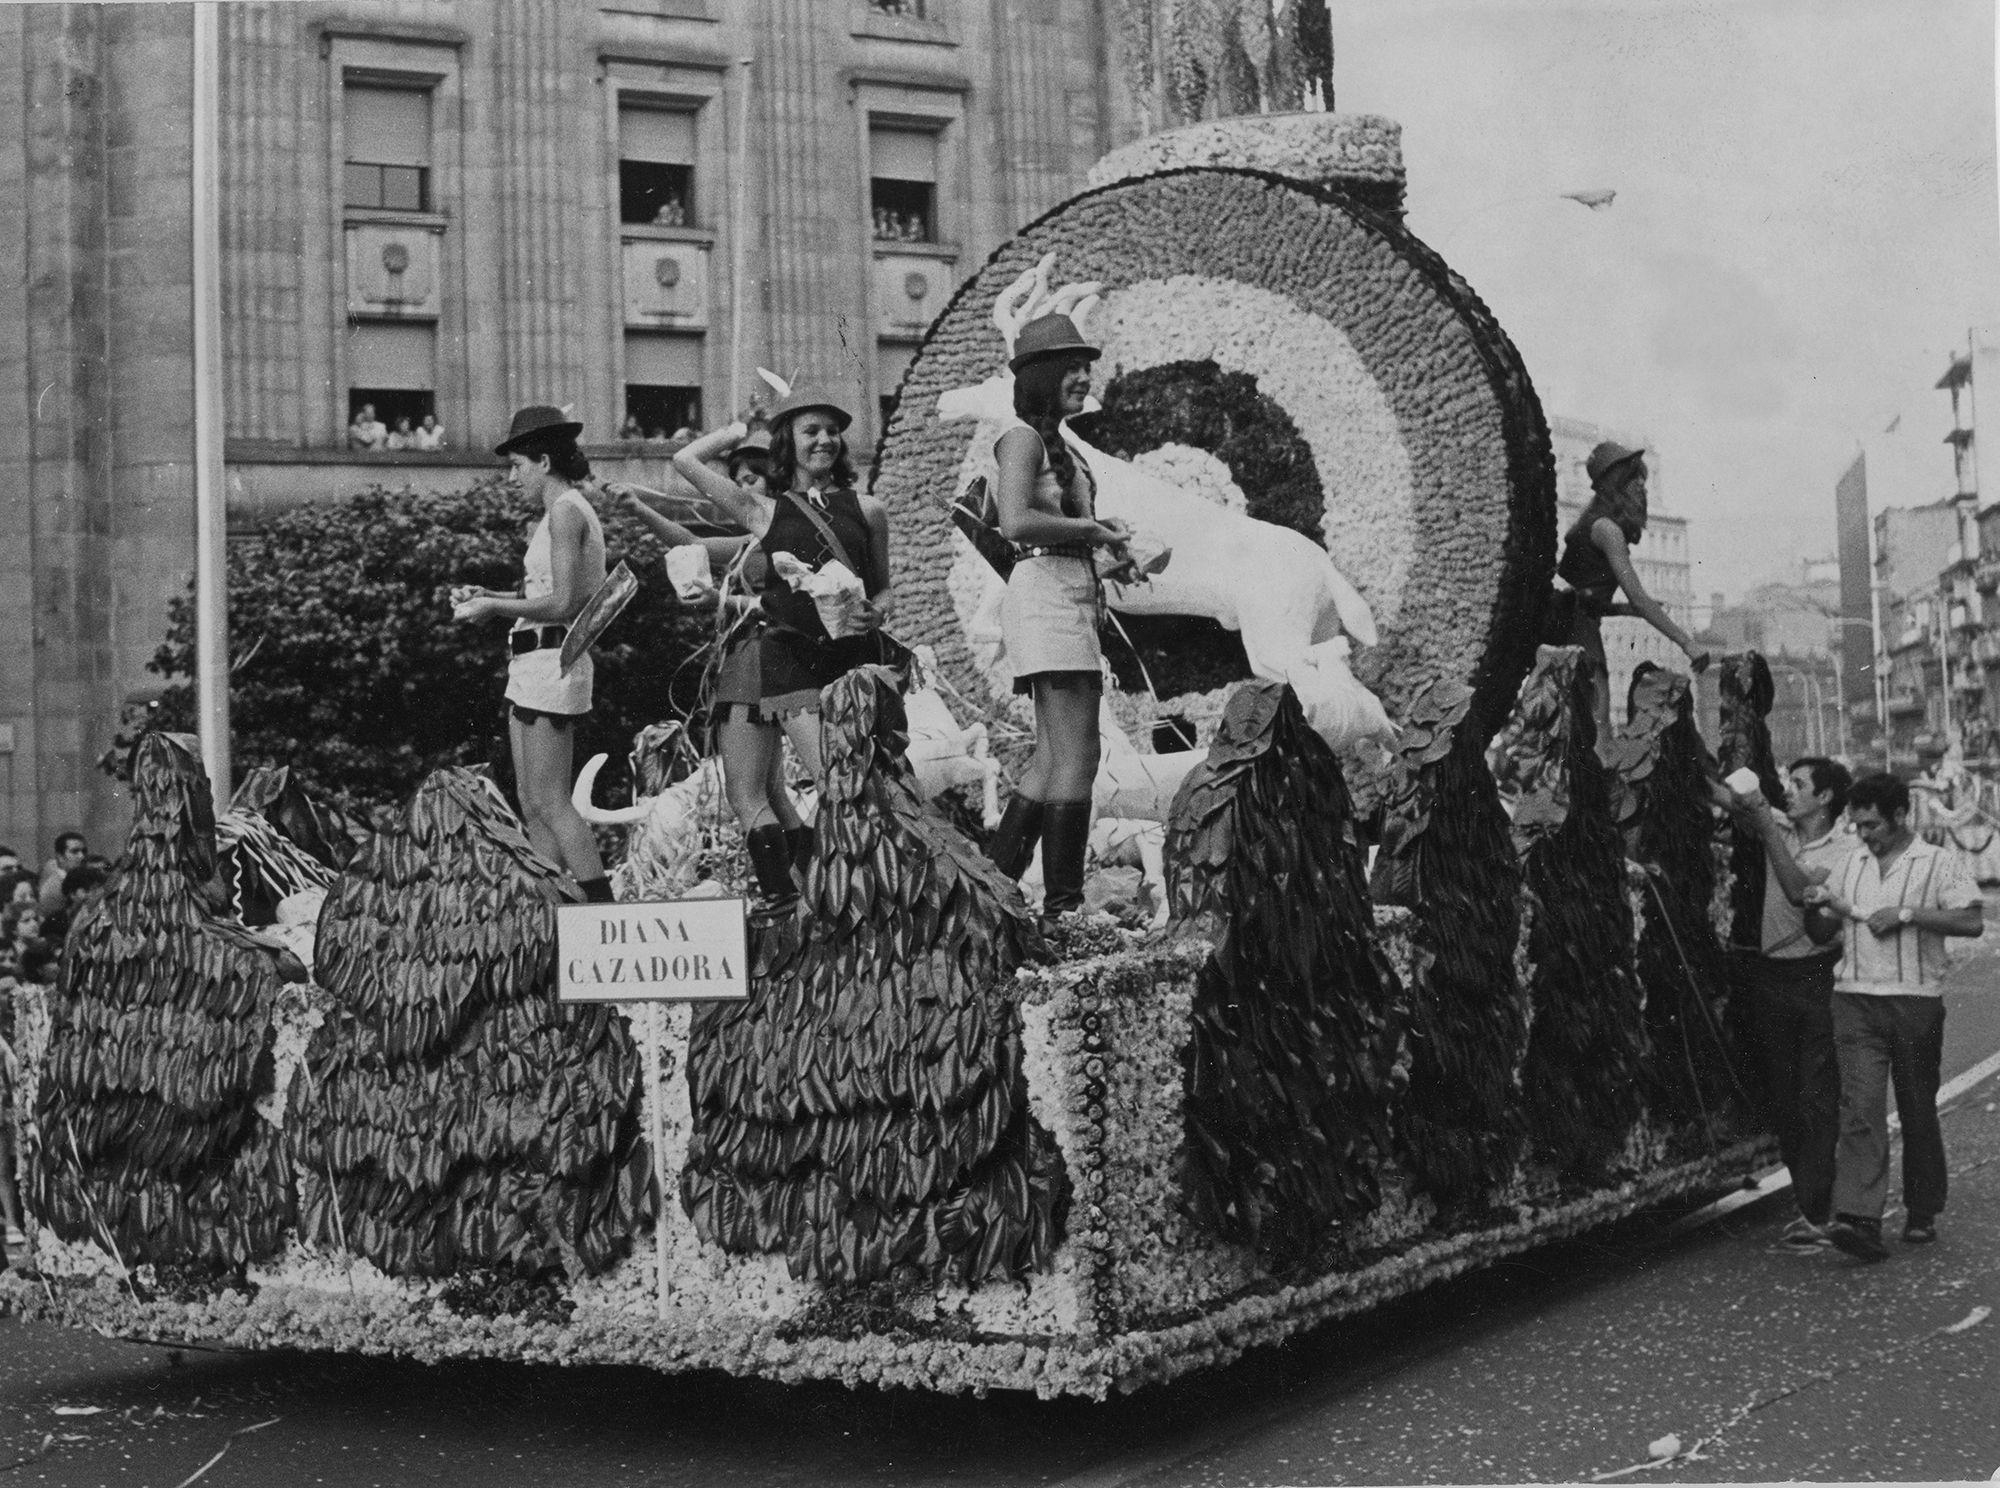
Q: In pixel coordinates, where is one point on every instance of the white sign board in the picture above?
(674, 950)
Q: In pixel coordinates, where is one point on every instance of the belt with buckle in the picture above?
(536, 638)
(1055, 550)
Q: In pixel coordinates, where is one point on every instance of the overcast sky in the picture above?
(1805, 228)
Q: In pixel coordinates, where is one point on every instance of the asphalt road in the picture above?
(1559, 1366)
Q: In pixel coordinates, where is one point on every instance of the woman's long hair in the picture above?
(1609, 500)
(566, 461)
(1038, 404)
(783, 463)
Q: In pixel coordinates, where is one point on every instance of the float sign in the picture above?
(674, 950)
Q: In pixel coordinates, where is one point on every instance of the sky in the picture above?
(1806, 226)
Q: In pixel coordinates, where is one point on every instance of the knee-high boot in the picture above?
(1065, 838)
(1013, 843)
(771, 861)
(799, 841)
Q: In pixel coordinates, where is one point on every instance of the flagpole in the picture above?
(210, 493)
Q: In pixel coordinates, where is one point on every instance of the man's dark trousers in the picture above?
(1791, 1002)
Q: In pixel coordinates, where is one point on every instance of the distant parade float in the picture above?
(1400, 1022)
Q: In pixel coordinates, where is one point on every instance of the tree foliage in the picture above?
(345, 663)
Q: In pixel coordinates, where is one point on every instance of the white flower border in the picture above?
(1103, 1044)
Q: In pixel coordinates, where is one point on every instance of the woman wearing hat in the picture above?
(564, 567)
(807, 507)
(1597, 563)
(739, 624)
(1047, 507)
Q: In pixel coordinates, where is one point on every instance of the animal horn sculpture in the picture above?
(600, 816)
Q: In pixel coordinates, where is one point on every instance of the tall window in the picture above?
(662, 382)
(391, 369)
(388, 147)
(656, 166)
(902, 170)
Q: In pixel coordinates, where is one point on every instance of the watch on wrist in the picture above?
(1906, 915)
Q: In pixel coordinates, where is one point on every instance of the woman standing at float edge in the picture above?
(1597, 563)
(810, 487)
(563, 567)
(1049, 617)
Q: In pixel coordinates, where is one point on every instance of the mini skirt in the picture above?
(1048, 618)
(535, 680)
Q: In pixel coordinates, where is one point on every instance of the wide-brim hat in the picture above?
(1049, 335)
(537, 419)
(1607, 454)
(803, 398)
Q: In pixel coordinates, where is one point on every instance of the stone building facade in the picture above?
(456, 207)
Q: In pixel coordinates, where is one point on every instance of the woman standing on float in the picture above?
(1047, 506)
(739, 628)
(564, 567)
(1596, 563)
(811, 511)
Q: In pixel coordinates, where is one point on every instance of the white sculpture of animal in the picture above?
(942, 753)
(1277, 587)
(663, 855)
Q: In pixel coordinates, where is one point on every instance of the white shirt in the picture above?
(1822, 859)
(1909, 961)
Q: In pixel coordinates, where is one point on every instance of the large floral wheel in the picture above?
(1371, 382)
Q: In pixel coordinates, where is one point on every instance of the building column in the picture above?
(262, 245)
(538, 119)
(808, 227)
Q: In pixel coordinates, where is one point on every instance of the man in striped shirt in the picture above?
(1901, 898)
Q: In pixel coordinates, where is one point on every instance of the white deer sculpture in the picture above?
(1296, 611)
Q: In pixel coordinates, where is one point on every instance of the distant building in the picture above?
(1796, 626)
(1660, 558)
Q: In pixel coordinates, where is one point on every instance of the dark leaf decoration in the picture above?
(1587, 1037)
(1693, 1064)
(1446, 856)
(865, 1111)
(1746, 690)
(457, 1115)
(160, 1048)
(1298, 1046)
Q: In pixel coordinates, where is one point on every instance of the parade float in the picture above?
(291, 1092)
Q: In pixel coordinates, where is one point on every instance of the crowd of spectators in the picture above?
(36, 911)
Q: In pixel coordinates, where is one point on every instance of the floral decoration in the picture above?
(1436, 469)
(456, 1116)
(1693, 1068)
(1294, 1065)
(1586, 1039)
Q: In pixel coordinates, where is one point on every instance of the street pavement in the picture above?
(1562, 1365)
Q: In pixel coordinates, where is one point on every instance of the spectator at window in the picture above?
(631, 429)
(70, 851)
(671, 213)
(656, 436)
(429, 435)
(402, 437)
(367, 431)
